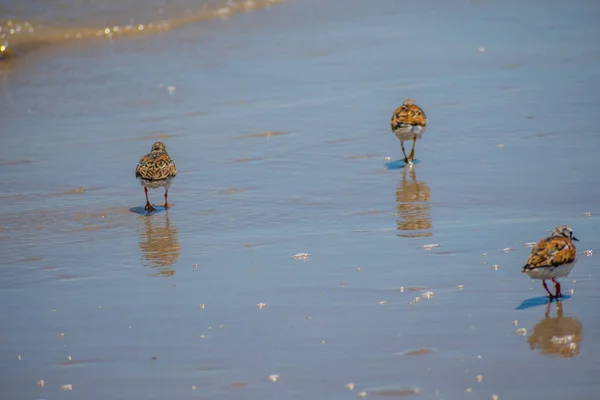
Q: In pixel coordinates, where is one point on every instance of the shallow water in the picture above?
(29, 25)
(278, 121)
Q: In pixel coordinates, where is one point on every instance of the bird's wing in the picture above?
(551, 252)
(143, 167)
(156, 167)
(164, 167)
(408, 114)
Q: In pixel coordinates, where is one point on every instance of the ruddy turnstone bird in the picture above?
(154, 170)
(553, 257)
(408, 123)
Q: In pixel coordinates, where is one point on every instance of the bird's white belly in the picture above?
(156, 184)
(551, 272)
(408, 132)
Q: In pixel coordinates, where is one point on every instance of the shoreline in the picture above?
(19, 38)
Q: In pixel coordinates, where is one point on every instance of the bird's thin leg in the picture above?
(403, 151)
(148, 206)
(546, 287)
(412, 152)
(167, 205)
(557, 288)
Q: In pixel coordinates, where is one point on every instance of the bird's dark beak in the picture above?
(575, 239)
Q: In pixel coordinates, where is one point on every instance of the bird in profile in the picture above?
(408, 123)
(552, 258)
(154, 170)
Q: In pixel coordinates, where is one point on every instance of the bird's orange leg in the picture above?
(167, 205)
(148, 206)
(557, 288)
(403, 151)
(546, 287)
(412, 152)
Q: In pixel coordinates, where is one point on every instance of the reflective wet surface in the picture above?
(278, 120)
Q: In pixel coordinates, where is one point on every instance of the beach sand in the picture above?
(278, 120)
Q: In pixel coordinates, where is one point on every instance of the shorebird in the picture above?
(553, 257)
(408, 123)
(154, 170)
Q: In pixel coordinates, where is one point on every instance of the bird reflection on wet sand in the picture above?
(412, 206)
(159, 243)
(557, 336)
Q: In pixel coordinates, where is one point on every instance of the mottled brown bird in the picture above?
(553, 257)
(408, 123)
(154, 170)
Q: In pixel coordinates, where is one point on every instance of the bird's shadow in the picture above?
(398, 164)
(540, 301)
(144, 212)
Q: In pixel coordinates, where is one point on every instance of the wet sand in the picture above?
(278, 121)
